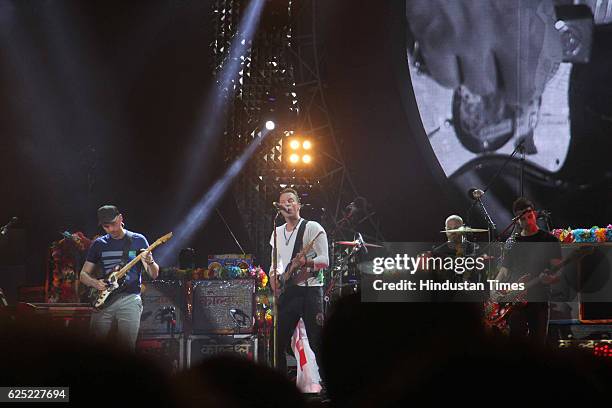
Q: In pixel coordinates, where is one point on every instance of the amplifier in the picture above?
(163, 307)
(165, 350)
(585, 289)
(204, 346)
(223, 306)
(74, 316)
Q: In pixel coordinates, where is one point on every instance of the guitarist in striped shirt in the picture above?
(111, 251)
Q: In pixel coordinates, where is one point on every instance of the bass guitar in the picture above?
(115, 281)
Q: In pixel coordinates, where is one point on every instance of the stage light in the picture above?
(294, 158)
(294, 144)
(306, 145)
(306, 158)
(270, 125)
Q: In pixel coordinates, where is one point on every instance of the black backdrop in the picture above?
(100, 102)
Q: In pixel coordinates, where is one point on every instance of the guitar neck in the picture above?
(308, 247)
(134, 261)
(556, 270)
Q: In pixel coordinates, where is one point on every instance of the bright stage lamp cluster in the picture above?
(299, 151)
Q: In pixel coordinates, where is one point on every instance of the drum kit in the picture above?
(345, 272)
(345, 275)
(465, 230)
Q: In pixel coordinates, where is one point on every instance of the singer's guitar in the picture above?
(497, 310)
(116, 280)
(293, 273)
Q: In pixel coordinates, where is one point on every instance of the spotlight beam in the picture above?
(200, 213)
(208, 128)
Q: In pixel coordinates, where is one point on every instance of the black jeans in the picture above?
(530, 320)
(299, 301)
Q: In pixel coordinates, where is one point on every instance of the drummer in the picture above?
(456, 244)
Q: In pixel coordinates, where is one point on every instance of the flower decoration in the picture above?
(269, 317)
(233, 272)
(566, 235)
(600, 234)
(214, 270)
(583, 235)
(262, 278)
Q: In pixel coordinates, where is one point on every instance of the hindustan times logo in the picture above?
(412, 264)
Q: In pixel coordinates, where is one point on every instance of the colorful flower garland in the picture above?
(581, 235)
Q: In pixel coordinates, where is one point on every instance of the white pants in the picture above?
(126, 310)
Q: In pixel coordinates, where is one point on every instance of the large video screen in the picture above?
(522, 81)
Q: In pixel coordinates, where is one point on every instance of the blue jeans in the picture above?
(126, 310)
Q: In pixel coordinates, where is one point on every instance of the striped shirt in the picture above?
(107, 253)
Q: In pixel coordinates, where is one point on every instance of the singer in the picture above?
(305, 299)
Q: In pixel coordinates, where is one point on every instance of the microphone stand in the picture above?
(501, 234)
(493, 237)
(230, 231)
(274, 292)
(487, 217)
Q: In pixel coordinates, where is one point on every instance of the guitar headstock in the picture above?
(164, 239)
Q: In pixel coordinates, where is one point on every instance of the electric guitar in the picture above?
(294, 274)
(116, 280)
(497, 310)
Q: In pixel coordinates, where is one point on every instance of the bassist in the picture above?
(114, 249)
(305, 298)
(534, 252)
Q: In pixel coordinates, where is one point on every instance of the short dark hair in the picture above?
(290, 190)
(521, 204)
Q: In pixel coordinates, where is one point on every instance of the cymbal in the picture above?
(466, 230)
(355, 243)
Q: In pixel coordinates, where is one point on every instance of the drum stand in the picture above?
(336, 280)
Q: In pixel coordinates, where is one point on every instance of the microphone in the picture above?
(4, 229)
(475, 193)
(279, 206)
(526, 210)
(238, 312)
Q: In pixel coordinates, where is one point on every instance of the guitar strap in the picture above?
(126, 248)
(299, 238)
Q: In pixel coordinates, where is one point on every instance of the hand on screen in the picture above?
(509, 47)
